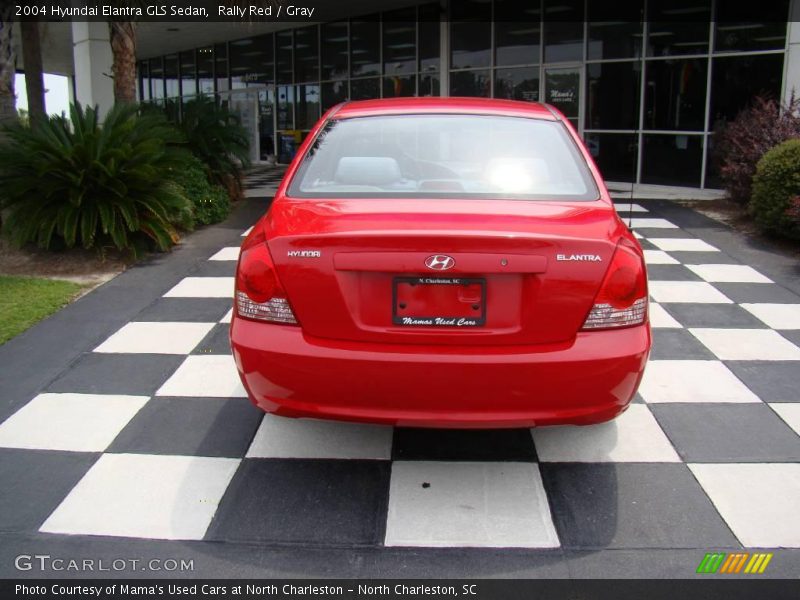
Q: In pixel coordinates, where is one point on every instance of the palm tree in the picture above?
(122, 35)
(8, 99)
(34, 76)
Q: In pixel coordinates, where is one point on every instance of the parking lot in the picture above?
(126, 434)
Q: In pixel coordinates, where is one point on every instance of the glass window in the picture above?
(365, 48)
(519, 83)
(735, 80)
(334, 50)
(396, 86)
(251, 61)
(284, 72)
(470, 83)
(612, 95)
(470, 34)
(563, 30)
(445, 156)
(307, 111)
(400, 42)
(188, 74)
(429, 39)
(614, 154)
(157, 78)
(675, 94)
(144, 81)
(611, 38)
(205, 70)
(429, 85)
(306, 54)
(672, 159)
(171, 81)
(285, 114)
(365, 89)
(221, 67)
(678, 27)
(333, 93)
(516, 33)
(769, 33)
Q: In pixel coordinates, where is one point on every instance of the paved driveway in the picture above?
(127, 435)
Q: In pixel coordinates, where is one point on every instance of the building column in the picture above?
(791, 66)
(92, 57)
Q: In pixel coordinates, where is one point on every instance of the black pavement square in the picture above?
(454, 444)
(718, 316)
(710, 257)
(657, 232)
(191, 427)
(35, 482)
(678, 344)
(671, 273)
(793, 335)
(647, 245)
(757, 292)
(728, 432)
(626, 505)
(192, 310)
(772, 381)
(215, 268)
(99, 373)
(217, 341)
(304, 501)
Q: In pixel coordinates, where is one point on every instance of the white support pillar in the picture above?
(91, 52)
(791, 67)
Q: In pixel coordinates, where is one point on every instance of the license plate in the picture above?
(439, 301)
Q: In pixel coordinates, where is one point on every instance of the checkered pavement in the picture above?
(263, 181)
(149, 435)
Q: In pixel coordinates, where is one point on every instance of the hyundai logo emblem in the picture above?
(440, 262)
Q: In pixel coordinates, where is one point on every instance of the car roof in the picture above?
(438, 105)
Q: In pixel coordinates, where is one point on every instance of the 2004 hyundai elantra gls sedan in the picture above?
(442, 262)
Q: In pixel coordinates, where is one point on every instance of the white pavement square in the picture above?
(226, 254)
(280, 437)
(776, 316)
(790, 413)
(479, 504)
(634, 436)
(758, 501)
(156, 338)
(692, 381)
(212, 376)
(682, 245)
(202, 287)
(228, 317)
(729, 273)
(661, 318)
(747, 344)
(698, 292)
(145, 496)
(658, 257)
(651, 223)
(71, 422)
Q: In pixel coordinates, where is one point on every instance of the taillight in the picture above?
(259, 294)
(622, 299)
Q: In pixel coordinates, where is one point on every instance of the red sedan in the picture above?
(442, 262)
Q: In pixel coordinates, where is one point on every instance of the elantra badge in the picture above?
(580, 257)
(440, 262)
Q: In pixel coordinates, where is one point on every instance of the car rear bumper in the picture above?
(588, 381)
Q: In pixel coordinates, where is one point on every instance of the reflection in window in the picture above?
(400, 42)
(767, 34)
(205, 70)
(675, 94)
(333, 93)
(678, 27)
(516, 33)
(283, 57)
(563, 30)
(307, 111)
(520, 83)
(735, 80)
(144, 80)
(612, 95)
(470, 83)
(470, 34)
(285, 114)
(611, 38)
(334, 50)
(615, 155)
(365, 89)
(157, 78)
(171, 76)
(672, 159)
(306, 54)
(397, 86)
(251, 62)
(428, 26)
(429, 85)
(221, 67)
(365, 49)
(188, 83)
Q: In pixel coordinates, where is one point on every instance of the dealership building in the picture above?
(645, 93)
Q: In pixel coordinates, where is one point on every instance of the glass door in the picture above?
(562, 89)
(244, 102)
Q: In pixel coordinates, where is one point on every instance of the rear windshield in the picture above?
(449, 156)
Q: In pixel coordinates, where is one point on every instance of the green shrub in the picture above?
(775, 185)
(83, 183)
(210, 202)
(215, 135)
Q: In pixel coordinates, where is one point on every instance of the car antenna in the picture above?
(630, 196)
